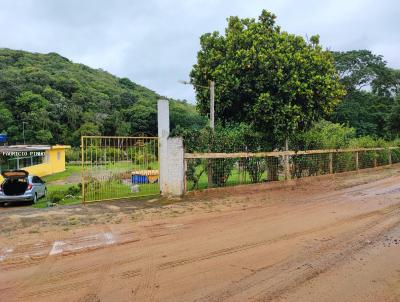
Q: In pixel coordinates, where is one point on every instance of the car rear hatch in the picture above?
(15, 183)
(16, 174)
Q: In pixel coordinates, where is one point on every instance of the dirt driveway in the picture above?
(318, 239)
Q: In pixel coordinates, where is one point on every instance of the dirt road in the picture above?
(318, 239)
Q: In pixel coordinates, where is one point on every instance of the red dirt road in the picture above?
(319, 239)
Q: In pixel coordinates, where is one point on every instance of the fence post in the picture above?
(184, 175)
(375, 161)
(357, 163)
(286, 159)
(174, 180)
(390, 156)
(83, 170)
(287, 167)
(331, 163)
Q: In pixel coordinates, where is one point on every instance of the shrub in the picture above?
(324, 135)
(56, 196)
(73, 190)
(255, 167)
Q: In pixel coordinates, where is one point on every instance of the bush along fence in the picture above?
(212, 170)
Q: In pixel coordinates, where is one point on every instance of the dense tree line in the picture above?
(59, 101)
(371, 104)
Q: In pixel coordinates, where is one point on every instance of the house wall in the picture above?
(54, 162)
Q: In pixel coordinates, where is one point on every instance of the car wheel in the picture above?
(35, 198)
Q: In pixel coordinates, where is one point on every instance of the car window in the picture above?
(35, 179)
(40, 180)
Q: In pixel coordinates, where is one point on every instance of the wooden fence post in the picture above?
(375, 161)
(331, 163)
(390, 156)
(287, 167)
(357, 162)
(185, 176)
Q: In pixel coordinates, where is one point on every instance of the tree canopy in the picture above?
(60, 100)
(369, 105)
(273, 80)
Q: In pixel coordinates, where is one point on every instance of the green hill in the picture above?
(59, 100)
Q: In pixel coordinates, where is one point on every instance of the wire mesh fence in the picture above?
(119, 167)
(211, 170)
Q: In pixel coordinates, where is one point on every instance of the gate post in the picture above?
(171, 155)
(174, 182)
(163, 133)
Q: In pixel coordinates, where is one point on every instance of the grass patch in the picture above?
(116, 189)
(69, 170)
(42, 203)
(236, 177)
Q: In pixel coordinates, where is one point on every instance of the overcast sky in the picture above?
(154, 42)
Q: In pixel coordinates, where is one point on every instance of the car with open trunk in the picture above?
(19, 186)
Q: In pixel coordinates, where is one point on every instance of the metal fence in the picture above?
(119, 167)
(211, 170)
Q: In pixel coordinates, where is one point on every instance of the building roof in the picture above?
(30, 148)
(60, 147)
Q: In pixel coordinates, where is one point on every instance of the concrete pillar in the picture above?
(174, 182)
(163, 118)
(163, 133)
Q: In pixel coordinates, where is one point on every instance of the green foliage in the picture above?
(266, 77)
(368, 142)
(231, 138)
(73, 155)
(358, 68)
(56, 196)
(255, 167)
(393, 119)
(74, 191)
(59, 195)
(60, 101)
(324, 135)
(366, 112)
(369, 105)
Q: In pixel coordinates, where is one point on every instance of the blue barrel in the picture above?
(3, 138)
(140, 179)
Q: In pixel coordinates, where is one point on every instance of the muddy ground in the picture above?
(316, 239)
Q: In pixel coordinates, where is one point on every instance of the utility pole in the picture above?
(23, 130)
(212, 105)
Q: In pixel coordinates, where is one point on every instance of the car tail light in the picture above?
(29, 187)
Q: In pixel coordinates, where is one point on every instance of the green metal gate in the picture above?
(119, 167)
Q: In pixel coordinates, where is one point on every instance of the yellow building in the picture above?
(38, 160)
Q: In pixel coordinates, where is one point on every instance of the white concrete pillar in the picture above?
(175, 180)
(163, 133)
(163, 118)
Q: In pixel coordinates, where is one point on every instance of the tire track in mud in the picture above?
(146, 289)
(93, 291)
(44, 263)
(222, 252)
(309, 202)
(322, 264)
(380, 214)
(91, 287)
(310, 264)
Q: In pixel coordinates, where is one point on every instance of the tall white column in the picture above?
(163, 133)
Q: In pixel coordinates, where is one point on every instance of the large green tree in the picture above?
(371, 89)
(274, 80)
